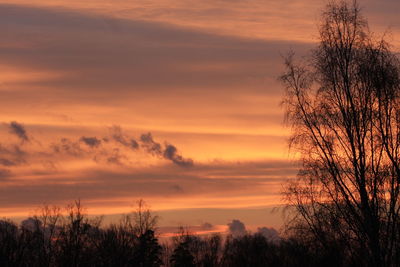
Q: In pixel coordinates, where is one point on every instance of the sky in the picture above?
(174, 102)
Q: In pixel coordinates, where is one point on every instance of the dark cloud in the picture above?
(119, 137)
(12, 155)
(91, 141)
(116, 157)
(236, 228)
(6, 162)
(112, 151)
(171, 153)
(18, 130)
(133, 144)
(67, 146)
(88, 147)
(269, 233)
(150, 145)
(177, 188)
(73, 148)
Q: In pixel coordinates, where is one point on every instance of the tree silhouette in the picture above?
(182, 254)
(148, 251)
(249, 250)
(9, 248)
(79, 241)
(343, 104)
(75, 240)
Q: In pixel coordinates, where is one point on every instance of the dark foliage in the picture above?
(52, 239)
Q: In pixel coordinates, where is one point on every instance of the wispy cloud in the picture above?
(18, 130)
(114, 149)
(118, 136)
(91, 141)
(12, 155)
(167, 151)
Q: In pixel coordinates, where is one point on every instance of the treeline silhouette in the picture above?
(72, 238)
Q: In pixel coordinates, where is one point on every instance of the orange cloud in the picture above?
(201, 76)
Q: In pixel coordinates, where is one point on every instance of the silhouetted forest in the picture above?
(68, 237)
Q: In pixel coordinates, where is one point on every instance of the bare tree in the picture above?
(141, 219)
(49, 218)
(74, 241)
(343, 104)
(9, 248)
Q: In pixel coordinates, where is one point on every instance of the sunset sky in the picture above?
(175, 102)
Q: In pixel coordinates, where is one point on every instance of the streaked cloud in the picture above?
(34, 173)
(19, 130)
(99, 149)
(176, 102)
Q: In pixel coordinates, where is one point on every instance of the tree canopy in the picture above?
(343, 104)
